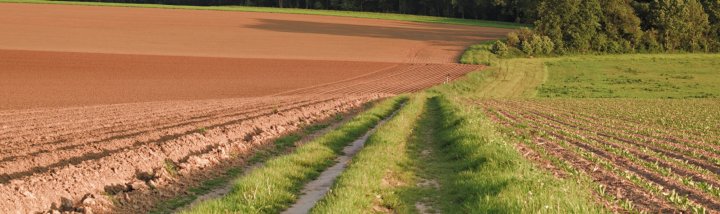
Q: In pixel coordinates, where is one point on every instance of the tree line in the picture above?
(503, 10)
(560, 26)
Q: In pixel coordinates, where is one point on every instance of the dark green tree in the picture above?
(571, 24)
(681, 24)
(619, 22)
(712, 8)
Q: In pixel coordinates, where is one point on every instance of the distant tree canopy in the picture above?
(523, 11)
(628, 26)
(570, 26)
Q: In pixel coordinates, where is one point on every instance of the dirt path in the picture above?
(315, 190)
(227, 187)
(429, 165)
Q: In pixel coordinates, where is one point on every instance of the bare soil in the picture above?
(98, 104)
(64, 55)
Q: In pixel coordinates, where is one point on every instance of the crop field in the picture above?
(641, 131)
(92, 116)
(650, 155)
(147, 108)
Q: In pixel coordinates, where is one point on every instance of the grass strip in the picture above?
(280, 145)
(355, 14)
(361, 186)
(481, 171)
(273, 187)
(492, 177)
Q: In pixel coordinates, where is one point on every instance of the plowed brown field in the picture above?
(95, 102)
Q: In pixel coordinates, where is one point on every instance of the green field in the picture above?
(369, 15)
(647, 118)
(633, 76)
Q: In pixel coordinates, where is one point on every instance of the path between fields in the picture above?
(225, 189)
(315, 190)
(427, 166)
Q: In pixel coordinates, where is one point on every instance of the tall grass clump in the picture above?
(358, 188)
(273, 187)
(492, 177)
(489, 53)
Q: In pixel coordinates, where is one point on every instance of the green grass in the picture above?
(478, 168)
(273, 187)
(588, 76)
(480, 54)
(205, 187)
(633, 76)
(370, 15)
(650, 77)
(279, 147)
(491, 176)
(364, 183)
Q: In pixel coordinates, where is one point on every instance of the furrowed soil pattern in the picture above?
(93, 116)
(638, 164)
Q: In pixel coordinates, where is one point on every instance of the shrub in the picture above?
(627, 46)
(499, 48)
(538, 45)
(600, 43)
(547, 45)
(528, 47)
(613, 47)
(649, 42)
(513, 39)
(525, 34)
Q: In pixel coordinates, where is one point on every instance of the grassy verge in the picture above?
(370, 15)
(360, 189)
(271, 188)
(476, 169)
(279, 147)
(480, 54)
(491, 176)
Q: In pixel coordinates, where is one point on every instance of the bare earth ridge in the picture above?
(95, 102)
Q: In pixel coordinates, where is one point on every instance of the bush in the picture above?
(614, 47)
(530, 42)
(499, 48)
(513, 40)
(547, 45)
(528, 47)
(538, 45)
(649, 42)
(480, 54)
(525, 34)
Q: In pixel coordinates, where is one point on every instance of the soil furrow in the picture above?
(88, 151)
(97, 175)
(620, 187)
